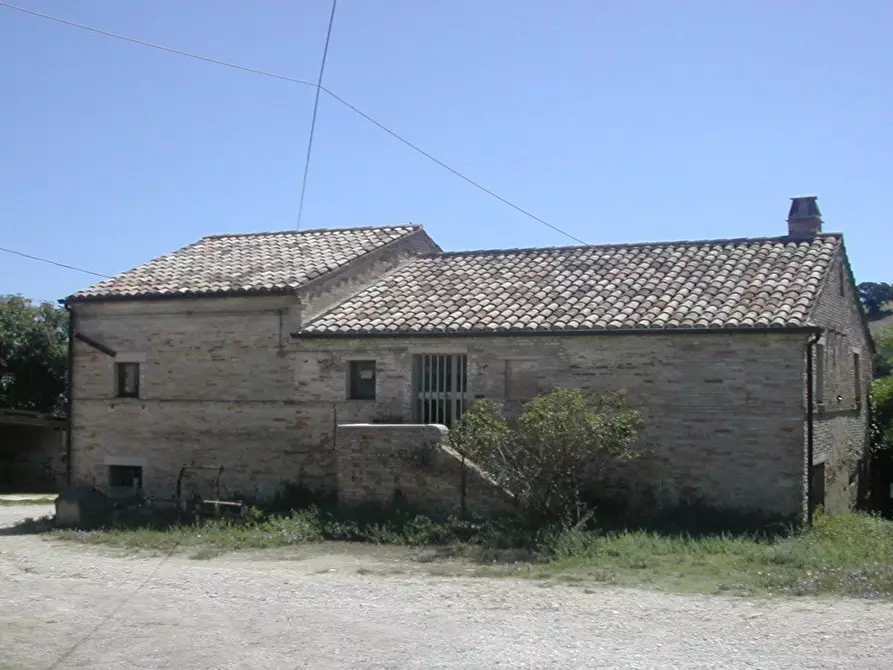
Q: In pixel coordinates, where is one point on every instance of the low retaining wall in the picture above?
(412, 463)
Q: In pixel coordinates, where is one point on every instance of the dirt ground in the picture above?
(63, 605)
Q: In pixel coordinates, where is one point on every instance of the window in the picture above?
(817, 474)
(841, 279)
(361, 380)
(857, 379)
(127, 380)
(441, 387)
(819, 374)
(125, 479)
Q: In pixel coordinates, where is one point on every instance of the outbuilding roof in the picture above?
(253, 263)
(741, 283)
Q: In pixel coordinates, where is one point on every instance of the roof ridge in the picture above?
(629, 245)
(409, 226)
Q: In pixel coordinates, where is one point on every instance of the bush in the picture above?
(882, 414)
(561, 443)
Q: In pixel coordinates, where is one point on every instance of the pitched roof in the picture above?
(744, 283)
(253, 263)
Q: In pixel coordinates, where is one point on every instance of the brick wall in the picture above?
(216, 385)
(723, 414)
(223, 383)
(376, 463)
(841, 418)
(215, 389)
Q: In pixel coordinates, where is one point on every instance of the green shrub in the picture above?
(882, 414)
(562, 442)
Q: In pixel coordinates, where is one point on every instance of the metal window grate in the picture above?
(441, 387)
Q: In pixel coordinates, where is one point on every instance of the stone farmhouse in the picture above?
(296, 355)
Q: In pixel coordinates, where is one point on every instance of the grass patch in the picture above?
(18, 502)
(849, 554)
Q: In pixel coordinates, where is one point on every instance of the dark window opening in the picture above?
(856, 472)
(361, 382)
(129, 477)
(857, 379)
(127, 380)
(820, 374)
(817, 473)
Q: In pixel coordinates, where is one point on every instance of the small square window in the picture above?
(127, 380)
(125, 478)
(820, 373)
(857, 379)
(361, 380)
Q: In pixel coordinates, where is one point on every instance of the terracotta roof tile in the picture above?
(246, 263)
(712, 284)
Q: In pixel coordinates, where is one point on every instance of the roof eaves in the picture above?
(181, 295)
(739, 330)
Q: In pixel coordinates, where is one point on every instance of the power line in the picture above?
(322, 69)
(448, 168)
(152, 45)
(47, 260)
(293, 80)
(117, 608)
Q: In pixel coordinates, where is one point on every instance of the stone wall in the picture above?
(412, 464)
(216, 385)
(215, 389)
(724, 413)
(841, 413)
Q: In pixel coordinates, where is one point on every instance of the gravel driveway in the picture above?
(80, 607)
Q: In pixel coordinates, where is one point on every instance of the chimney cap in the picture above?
(804, 207)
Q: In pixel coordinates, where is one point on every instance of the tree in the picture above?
(560, 445)
(874, 295)
(883, 359)
(882, 414)
(33, 355)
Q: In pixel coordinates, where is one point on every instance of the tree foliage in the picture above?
(882, 414)
(874, 295)
(33, 355)
(560, 445)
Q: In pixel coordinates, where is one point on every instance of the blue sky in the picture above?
(617, 122)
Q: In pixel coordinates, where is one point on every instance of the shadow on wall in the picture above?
(32, 459)
(412, 465)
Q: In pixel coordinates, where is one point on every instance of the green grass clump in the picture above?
(848, 554)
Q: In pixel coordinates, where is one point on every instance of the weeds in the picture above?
(849, 554)
(16, 501)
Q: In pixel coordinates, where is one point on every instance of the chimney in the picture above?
(804, 219)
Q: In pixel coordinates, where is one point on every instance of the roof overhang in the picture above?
(781, 330)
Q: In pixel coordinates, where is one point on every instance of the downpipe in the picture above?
(810, 425)
(69, 385)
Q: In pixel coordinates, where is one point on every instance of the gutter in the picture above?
(810, 421)
(314, 335)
